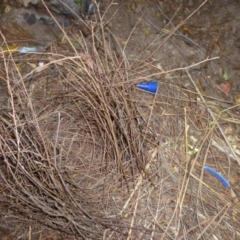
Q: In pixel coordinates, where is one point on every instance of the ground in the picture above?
(191, 48)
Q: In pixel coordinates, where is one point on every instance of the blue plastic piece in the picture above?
(151, 87)
(222, 179)
(28, 49)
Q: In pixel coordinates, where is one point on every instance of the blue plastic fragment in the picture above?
(151, 86)
(216, 174)
(28, 49)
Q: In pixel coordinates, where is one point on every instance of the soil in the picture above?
(207, 44)
(212, 31)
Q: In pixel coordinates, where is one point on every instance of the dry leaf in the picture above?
(33, 65)
(234, 196)
(9, 49)
(133, 6)
(147, 32)
(18, 68)
(7, 9)
(226, 87)
(200, 87)
(122, 41)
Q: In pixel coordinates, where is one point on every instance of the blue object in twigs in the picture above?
(151, 87)
(28, 49)
(222, 179)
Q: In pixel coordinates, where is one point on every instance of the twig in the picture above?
(214, 118)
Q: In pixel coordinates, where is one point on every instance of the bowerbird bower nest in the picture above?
(85, 152)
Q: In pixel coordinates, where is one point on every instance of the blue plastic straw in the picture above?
(216, 174)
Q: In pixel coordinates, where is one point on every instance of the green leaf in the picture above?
(77, 1)
(74, 43)
(225, 75)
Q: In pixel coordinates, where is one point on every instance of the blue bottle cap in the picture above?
(151, 87)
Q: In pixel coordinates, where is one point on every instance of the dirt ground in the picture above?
(193, 46)
(212, 31)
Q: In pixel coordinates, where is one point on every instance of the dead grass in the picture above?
(86, 153)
